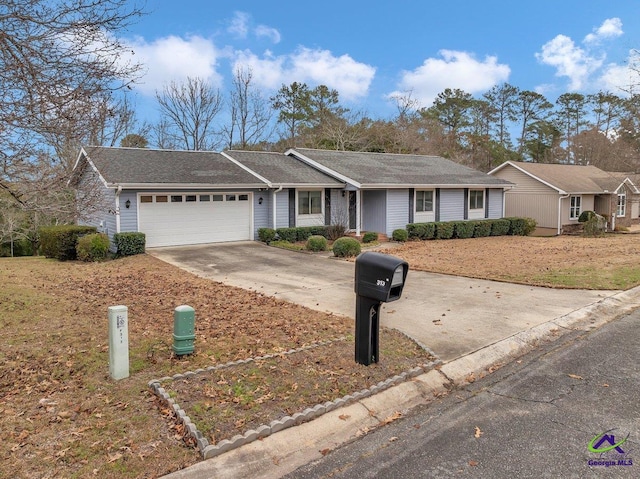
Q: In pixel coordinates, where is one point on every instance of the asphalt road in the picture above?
(534, 418)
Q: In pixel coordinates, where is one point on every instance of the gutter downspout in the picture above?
(560, 198)
(118, 208)
(275, 193)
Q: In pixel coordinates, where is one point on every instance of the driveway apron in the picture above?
(450, 315)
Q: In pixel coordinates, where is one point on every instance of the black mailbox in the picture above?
(379, 278)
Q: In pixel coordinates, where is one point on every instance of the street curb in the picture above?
(283, 451)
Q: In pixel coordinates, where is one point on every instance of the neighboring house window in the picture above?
(424, 201)
(622, 204)
(575, 207)
(476, 199)
(309, 202)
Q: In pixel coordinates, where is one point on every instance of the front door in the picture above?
(352, 210)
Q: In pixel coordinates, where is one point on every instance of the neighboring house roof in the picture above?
(144, 168)
(567, 179)
(282, 170)
(387, 170)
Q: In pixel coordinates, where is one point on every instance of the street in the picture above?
(568, 409)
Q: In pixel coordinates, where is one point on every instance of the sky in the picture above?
(371, 51)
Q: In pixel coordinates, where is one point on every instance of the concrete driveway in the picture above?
(452, 316)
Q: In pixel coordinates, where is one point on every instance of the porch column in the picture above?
(358, 211)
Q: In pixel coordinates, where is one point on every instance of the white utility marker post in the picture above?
(118, 342)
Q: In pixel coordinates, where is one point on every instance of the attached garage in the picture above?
(195, 217)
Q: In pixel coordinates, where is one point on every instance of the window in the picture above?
(190, 198)
(231, 197)
(205, 197)
(575, 206)
(161, 199)
(176, 198)
(424, 201)
(218, 198)
(622, 204)
(146, 199)
(309, 202)
(243, 197)
(476, 199)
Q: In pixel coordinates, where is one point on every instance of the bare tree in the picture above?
(251, 113)
(189, 110)
(54, 56)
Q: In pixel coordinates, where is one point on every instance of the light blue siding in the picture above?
(397, 210)
(262, 213)
(339, 207)
(451, 204)
(282, 209)
(128, 216)
(374, 211)
(495, 203)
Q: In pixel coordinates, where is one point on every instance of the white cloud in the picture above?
(239, 25)
(570, 60)
(268, 32)
(610, 28)
(455, 69)
(315, 67)
(621, 78)
(174, 59)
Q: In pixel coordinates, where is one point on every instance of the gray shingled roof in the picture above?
(387, 169)
(284, 170)
(573, 178)
(128, 166)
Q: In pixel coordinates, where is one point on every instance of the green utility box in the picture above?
(184, 330)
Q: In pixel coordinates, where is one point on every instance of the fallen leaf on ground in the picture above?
(575, 376)
(478, 432)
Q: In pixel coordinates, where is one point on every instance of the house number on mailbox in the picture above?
(381, 282)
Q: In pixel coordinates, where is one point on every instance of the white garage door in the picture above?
(194, 218)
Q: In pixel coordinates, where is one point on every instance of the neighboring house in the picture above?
(191, 197)
(555, 195)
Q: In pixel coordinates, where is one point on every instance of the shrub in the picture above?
(423, 231)
(521, 226)
(345, 247)
(266, 235)
(400, 235)
(500, 227)
(20, 247)
(586, 216)
(336, 231)
(93, 247)
(463, 229)
(60, 241)
(316, 243)
(595, 226)
(370, 237)
(287, 234)
(129, 244)
(529, 226)
(482, 228)
(444, 230)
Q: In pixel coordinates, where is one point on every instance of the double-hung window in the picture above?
(575, 207)
(476, 199)
(622, 204)
(424, 201)
(310, 202)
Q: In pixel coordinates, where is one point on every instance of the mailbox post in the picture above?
(379, 279)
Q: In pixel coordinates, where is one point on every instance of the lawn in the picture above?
(62, 416)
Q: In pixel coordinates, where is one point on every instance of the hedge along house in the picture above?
(555, 195)
(386, 191)
(192, 197)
